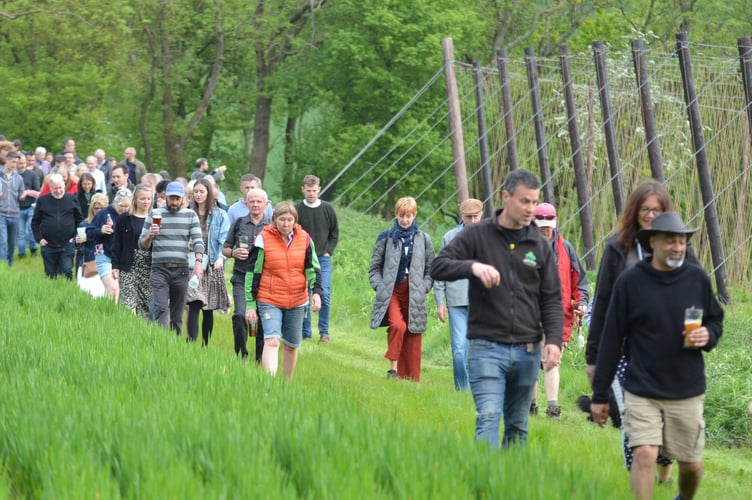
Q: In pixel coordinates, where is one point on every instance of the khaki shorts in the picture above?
(677, 426)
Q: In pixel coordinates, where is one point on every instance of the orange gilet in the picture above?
(283, 280)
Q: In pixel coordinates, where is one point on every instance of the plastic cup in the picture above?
(692, 321)
(81, 232)
(157, 219)
(193, 282)
(243, 241)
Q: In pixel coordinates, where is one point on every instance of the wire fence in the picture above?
(417, 160)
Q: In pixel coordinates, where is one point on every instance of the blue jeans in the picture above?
(58, 261)
(8, 228)
(25, 236)
(326, 285)
(502, 377)
(284, 323)
(458, 334)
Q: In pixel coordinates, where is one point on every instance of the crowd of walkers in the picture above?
(511, 287)
(158, 246)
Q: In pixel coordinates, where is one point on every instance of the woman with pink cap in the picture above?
(575, 294)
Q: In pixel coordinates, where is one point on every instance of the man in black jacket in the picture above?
(664, 384)
(56, 217)
(515, 296)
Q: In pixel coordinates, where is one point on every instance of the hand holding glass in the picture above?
(692, 321)
(243, 241)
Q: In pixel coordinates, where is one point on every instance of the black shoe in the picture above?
(553, 412)
(34, 252)
(533, 409)
(391, 374)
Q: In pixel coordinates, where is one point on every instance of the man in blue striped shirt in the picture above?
(169, 232)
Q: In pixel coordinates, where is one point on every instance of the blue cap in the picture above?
(175, 189)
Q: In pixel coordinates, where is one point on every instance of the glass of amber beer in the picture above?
(692, 321)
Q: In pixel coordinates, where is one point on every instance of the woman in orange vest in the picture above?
(282, 269)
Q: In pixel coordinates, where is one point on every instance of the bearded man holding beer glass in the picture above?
(664, 386)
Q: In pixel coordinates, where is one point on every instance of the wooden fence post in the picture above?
(612, 147)
(648, 114)
(506, 103)
(586, 216)
(455, 121)
(540, 129)
(488, 189)
(706, 183)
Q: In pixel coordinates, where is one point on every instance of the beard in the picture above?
(674, 263)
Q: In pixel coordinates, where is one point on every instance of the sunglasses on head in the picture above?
(545, 217)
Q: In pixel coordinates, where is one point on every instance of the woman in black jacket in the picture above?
(131, 265)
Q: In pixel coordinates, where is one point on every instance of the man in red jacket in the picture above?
(575, 293)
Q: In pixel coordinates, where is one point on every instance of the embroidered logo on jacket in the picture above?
(530, 259)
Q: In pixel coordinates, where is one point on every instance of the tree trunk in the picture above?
(261, 122)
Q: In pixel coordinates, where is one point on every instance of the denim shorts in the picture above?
(104, 264)
(286, 324)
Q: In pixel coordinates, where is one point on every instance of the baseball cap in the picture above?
(545, 215)
(175, 189)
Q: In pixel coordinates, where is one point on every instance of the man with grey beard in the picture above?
(664, 383)
(56, 217)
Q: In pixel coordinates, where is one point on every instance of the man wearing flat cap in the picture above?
(664, 386)
(452, 300)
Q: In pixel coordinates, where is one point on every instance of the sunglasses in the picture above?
(545, 217)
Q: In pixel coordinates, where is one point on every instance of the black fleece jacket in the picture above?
(526, 304)
(56, 220)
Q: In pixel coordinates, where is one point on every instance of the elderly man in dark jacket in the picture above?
(515, 296)
(56, 217)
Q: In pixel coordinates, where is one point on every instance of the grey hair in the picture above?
(253, 191)
(123, 194)
(56, 179)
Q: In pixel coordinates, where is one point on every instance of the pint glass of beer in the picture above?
(692, 321)
(157, 218)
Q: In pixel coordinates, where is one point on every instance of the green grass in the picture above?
(99, 403)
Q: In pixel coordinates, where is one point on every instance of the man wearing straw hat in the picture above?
(664, 386)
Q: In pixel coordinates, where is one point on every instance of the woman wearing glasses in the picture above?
(623, 251)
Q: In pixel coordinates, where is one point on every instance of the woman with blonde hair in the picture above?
(87, 275)
(282, 269)
(131, 265)
(101, 230)
(399, 273)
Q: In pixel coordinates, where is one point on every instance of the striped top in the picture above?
(177, 231)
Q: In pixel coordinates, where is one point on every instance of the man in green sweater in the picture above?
(319, 220)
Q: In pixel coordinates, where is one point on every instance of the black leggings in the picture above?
(207, 325)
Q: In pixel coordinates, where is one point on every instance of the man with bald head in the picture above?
(56, 217)
(238, 244)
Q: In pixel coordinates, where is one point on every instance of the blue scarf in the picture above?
(398, 233)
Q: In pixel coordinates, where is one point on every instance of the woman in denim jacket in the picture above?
(211, 292)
